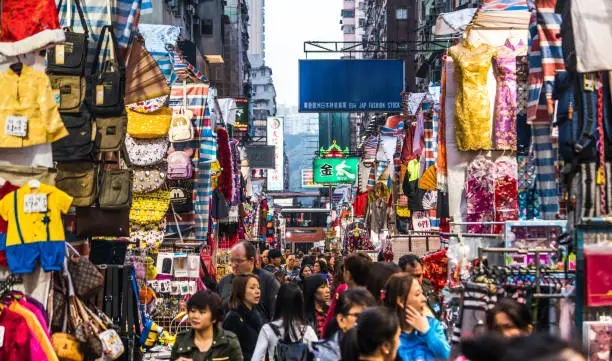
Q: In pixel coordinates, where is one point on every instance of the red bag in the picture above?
(598, 275)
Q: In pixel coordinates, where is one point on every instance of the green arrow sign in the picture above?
(335, 170)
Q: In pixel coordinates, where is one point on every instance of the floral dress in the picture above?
(504, 116)
(472, 114)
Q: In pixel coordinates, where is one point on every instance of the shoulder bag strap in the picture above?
(69, 13)
(115, 48)
(108, 291)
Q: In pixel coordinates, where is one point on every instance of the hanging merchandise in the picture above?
(143, 79)
(479, 193)
(179, 163)
(181, 195)
(29, 26)
(79, 181)
(70, 89)
(110, 133)
(149, 125)
(150, 208)
(149, 179)
(29, 114)
(70, 57)
(115, 189)
(143, 152)
(106, 83)
(79, 144)
(181, 129)
(597, 275)
(98, 222)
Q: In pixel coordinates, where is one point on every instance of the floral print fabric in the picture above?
(505, 70)
(479, 194)
(506, 193)
(472, 115)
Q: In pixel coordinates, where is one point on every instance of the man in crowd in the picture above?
(412, 264)
(275, 256)
(265, 260)
(242, 261)
(291, 268)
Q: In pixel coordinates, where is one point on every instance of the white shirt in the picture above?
(267, 339)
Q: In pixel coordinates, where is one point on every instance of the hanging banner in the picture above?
(261, 156)
(308, 179)
(276, 137)
(335, 170)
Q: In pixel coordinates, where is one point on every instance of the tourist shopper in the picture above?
(413, 265)
(316, 301)
(375, 338)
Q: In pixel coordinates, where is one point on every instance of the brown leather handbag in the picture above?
(143, 79)
(79, 181)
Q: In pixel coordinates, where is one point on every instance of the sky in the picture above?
(288, 24)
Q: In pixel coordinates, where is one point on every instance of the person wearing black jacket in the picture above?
(242, 261)
(244, 319)
(316, 301)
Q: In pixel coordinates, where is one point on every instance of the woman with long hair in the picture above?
(422, 337)
(289, 323)
(375, 338)
(316, 301)
(380, 272)
(244, 319)
(350, 304)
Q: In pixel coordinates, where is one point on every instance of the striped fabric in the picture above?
(380, 169)
(372, 178)
(504, 5)
(370, 146)
(430, 131)
(125, 18)
(546, 179)
(536, 106)
(183, 69)
(197, 95)
(157, 37)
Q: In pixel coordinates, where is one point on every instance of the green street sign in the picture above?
(335, 170)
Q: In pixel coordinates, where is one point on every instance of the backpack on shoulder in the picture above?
(286, 350)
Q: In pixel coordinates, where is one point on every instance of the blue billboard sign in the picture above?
(351, 85)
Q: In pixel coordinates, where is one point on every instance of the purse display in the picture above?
(115, 189)
(181, 195)
(110, 133)
(78, 180)
(97, 222)
(149, 179)
(106, 82)
(179, 164)
(103, 251)
(143, 152)
(70, 89)
(79, 144)
(66, 347)
(70, 57)
(143, 79)
(151, 125)
(181, 129)
(149, 208)
(86, 278)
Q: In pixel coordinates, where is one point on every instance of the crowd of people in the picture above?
(295, 307)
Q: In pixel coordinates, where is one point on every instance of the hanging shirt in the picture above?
(28, 98)
(37, 330)
(6, 188)
(16, 342)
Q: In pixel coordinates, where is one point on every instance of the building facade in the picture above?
(263, 98)
(257, 28)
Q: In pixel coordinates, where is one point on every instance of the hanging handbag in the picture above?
(78, 180)
(70, 90)
(106, 84)
(143, 79)
(79, 144)
(115, 189)
(110, 133)
(96, 222)
(70, 57)
(151, 125)
(143, 152)
(149, 179)
(106, 252)
(181, 195)
(86, 278)
(65, 345)
(150, 208)
(181, 129)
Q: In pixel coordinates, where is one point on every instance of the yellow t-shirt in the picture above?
(33, 226)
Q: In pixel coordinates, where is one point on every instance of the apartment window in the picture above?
(401, 14)
(348, 13)
(361, 22)
(349, 29)
(206, 26)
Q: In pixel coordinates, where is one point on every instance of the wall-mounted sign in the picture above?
(260, 156)
(350, 85)
(276, 137)
(308, 179)
(335, 170)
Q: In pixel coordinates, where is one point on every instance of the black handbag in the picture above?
(106, 82)
(79, 144)
(107, 252)
(70, 56)
(181, 195)
(96, 222)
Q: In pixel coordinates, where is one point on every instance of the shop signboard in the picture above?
(260, 156)
(350, 85)
(308, 179)
(276, 138)
(335, 170)
(242, 111)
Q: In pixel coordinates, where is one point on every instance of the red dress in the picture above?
(29, 25)
(4, 190)
(16, 342)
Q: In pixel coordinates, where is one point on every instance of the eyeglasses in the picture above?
(237, 261)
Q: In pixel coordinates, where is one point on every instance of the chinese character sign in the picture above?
(335, 170)
(276, 135)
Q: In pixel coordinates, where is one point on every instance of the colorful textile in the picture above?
(546, 180)
(504, 5)
(506, 192)
(370, 146)
(36, 329)
(479, 194)
(529, 205)
(504, 117)
(472, 115)
(157, 38)
(17, 345)
(430, 135)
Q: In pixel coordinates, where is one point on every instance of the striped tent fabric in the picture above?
(504, 5)
(549, 29)
(370, 146)
(197, 95)
(125, 16)
(183, 69)
(157, 38)
(536, 106)
(430, 135)
(546, 179)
